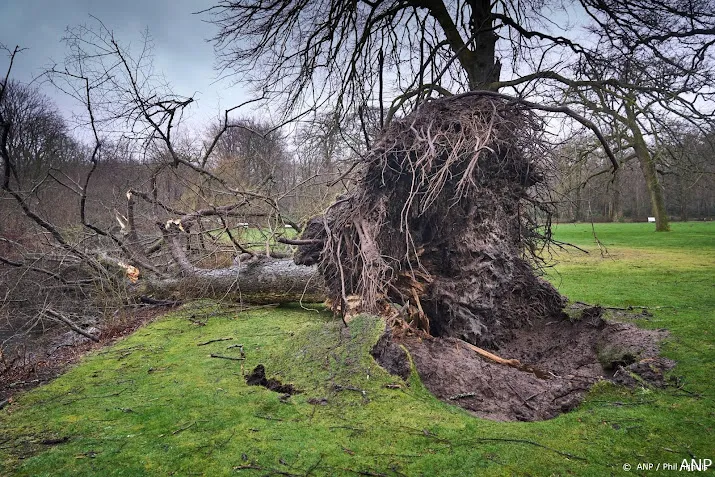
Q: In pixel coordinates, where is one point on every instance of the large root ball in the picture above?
(444, 223)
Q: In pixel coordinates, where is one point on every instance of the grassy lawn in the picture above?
(255, 239)
(156, 403)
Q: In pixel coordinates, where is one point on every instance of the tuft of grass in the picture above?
(157, 403)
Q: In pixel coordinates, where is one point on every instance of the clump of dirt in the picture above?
(391, 356)
(570, 353)
(650, 371)
(257, 377)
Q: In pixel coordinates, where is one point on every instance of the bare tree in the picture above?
(38, 260)
(388, 54)
(685, 165)
(39, 139)
(152, 217)
(252, 156)
(639, 63)
(657, 61)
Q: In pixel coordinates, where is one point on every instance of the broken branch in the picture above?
(226, 357)
(213, 341)
(298, 241)
(58, 316)
(514, 363)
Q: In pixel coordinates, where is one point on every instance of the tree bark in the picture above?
(257, 280)
(485, 69)
(479, 62)
(645, 159)
(615, 212)
(261, 282)
(578, 201)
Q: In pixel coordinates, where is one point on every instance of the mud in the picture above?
(391, 356)
(572, 354)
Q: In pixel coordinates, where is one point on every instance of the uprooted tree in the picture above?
(444, 224)
(441, 219)
(629, 66)
(445, 216)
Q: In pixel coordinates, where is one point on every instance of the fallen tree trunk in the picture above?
(261, 281)
(258, 279)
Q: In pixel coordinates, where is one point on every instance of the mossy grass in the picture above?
(157, 403)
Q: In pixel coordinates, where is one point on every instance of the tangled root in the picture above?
(443, 226)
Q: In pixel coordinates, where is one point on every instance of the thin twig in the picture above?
(526, 441)
(226, 357)
(183, 428)
(213, 341)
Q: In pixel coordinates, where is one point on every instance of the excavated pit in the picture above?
(573, 354)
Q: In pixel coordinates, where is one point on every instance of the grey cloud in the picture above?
(179, 38)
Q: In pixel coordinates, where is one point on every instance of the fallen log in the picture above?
(258, 280)
(265, 281)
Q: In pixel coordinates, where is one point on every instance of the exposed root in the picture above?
(443, 223)
(514, 363)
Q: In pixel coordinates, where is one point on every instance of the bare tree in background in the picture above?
(636, 63)
(660, 58)
(40, 138)
(148, 215)
(252, 155)
(38, 262)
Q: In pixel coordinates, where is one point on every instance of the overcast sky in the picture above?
(180, 47)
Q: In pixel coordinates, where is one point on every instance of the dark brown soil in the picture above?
(257, 377)
(391, 356)
(574, 355)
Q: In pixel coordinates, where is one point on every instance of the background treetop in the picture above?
(394, 54)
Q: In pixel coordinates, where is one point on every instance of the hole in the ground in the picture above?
(257, 377)
(613, 357)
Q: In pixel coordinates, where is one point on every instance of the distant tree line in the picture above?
(306, 170)
(585, 190)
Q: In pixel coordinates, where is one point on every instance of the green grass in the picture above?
(157, 404)
(254, 238)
